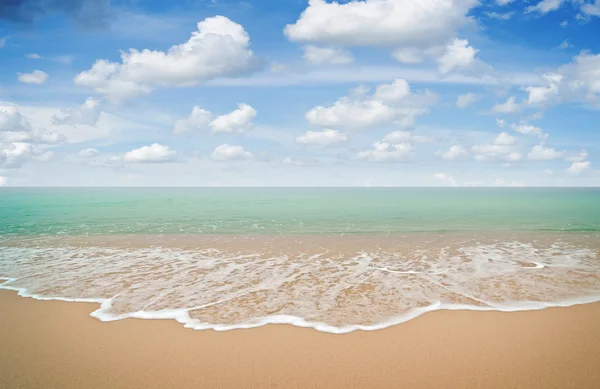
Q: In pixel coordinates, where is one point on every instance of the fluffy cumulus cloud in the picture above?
(578, 80)
(545, 93)
(20, 141)
(150, 154)
(35, 77)
(413, 29)
(463, 101)
(579, 167)
(225, 152)
(87, 114)
(326, 55)
(541, 153)
(236, 121)
(220, 47)
(392, 23)
(390, 103)
(510, 106)
(198, 119)
(502, 148)
(453, 152)
(14, 154)
(591, 9)
(387, 152)
(3, 181)
(458, 55)
(322, 139)
(11, 119)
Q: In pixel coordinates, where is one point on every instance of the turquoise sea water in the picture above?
(295, 211)
(336, 260)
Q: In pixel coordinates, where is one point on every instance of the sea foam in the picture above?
(330, 287)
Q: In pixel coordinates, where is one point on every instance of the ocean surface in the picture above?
(334, 259)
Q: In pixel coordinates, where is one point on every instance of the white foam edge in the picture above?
(182, 316)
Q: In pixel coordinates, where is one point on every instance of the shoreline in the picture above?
(55, 344)
(181, 315)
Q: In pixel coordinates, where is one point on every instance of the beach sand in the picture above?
(53, 344)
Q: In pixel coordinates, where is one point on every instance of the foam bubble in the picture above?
(326, 284)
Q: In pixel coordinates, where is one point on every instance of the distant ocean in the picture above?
(335, 259)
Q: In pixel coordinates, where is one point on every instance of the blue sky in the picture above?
(298, 93)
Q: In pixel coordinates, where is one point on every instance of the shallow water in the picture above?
(333, 259)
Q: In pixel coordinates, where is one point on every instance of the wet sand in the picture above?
(52, 344)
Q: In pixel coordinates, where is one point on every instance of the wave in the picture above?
(182, 316)
(332, 285)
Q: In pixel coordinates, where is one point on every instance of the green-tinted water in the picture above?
(295, 211)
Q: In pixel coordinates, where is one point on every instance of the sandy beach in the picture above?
(52, 344)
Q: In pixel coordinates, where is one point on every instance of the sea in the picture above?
(333, 259)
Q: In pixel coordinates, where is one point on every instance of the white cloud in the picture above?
(299, 162)
(88, 153)
(454, 152)
(502, 148)
(525, 129)
(2, 42)
(510, 106)
(541, 153)
(11, 119)
(88, 114)
(394, 92)
(591, 9)
(564, 23)
(467, 99)
(504, 139)
(499, 15)
(326, 138)
(20, 141)
(227, 152)
(238, 120)
(391, 103)
(582, 76)
(445, 177)
(582, 156)
(406, 136)
(545, 6)
(578, 167)
(457, 56)
(504, 2)
(392, 23)
(198, 119)
(327, 55)
(220, 47)
(387, 152)
(153, 153)
(545, 93)
(36, 77)
(33, 56)
(14, 154)
(3, 181)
